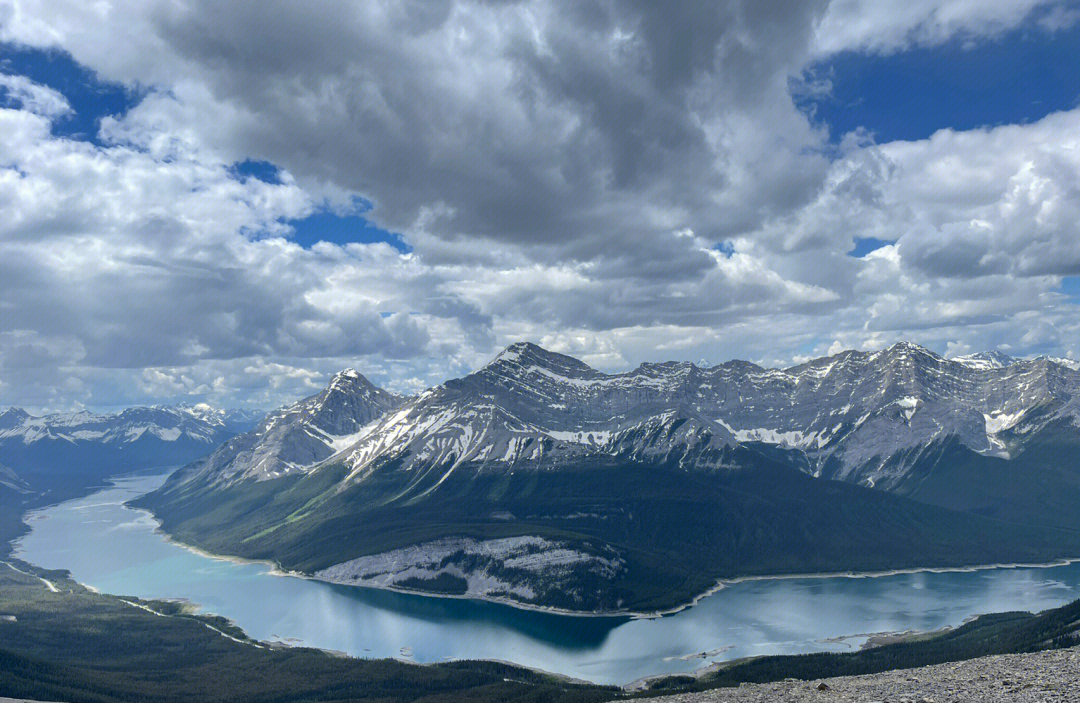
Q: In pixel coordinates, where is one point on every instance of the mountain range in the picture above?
(60, 451)
(542, 481)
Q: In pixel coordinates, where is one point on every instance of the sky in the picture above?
(228, 202)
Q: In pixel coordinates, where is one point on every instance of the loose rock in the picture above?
(1042, 677)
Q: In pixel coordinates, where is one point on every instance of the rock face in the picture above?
(856, 416)
(494, 568)
(297, 437)
(1042, 677)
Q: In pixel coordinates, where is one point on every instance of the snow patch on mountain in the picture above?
(593, 438)
(856, 416)
(790, 438)
(1000, 421)
(986, 360)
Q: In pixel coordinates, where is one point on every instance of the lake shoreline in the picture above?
(276, 569)
(196, 608)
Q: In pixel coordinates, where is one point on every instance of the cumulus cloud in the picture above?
(984, 230)
(562, 171)
(20, 91)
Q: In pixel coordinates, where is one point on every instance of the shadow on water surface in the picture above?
(115, 548)
(567, 632)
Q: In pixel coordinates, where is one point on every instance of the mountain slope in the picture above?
(299, 436)
(541, 480)
(853, 417)
(594, 535)
(10, 481)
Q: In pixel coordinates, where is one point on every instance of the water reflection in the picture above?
(116, 550)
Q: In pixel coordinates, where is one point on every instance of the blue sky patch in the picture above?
(1020, 77)
(89, 96)
(1070, 286)
(726, 248)
(865, 245)
(326, 226)
(262, 170)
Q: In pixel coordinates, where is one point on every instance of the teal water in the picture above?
(116, 550)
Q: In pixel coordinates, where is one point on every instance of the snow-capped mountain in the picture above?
(986, 360)
(1068, 363)
(529, 406)
(540, 479)
(848, 415)
(133, 438)
(299, 436)
(12, 418)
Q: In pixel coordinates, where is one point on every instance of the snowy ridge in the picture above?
(849, 415)
(297, 437)
(199, 423)
(986, 360)
(852, 411)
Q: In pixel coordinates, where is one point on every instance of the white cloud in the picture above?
(985, 228)
(892, 25)
(32, 97)
(561, 170)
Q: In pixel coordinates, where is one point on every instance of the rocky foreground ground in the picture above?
(1018, 678)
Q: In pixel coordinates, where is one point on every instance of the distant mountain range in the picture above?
(540, 480)
(42, 453)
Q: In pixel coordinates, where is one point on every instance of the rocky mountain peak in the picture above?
(1071, 364)
(13, 417)
(902, 351)
(349, 402)
(526, 357)
(349, 376)
(300, 435)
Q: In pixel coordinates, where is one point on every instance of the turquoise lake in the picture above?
(116, 550)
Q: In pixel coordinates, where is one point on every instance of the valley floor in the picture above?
(1042, 677)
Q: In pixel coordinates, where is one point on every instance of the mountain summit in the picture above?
(299, 436)
(986, 360)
